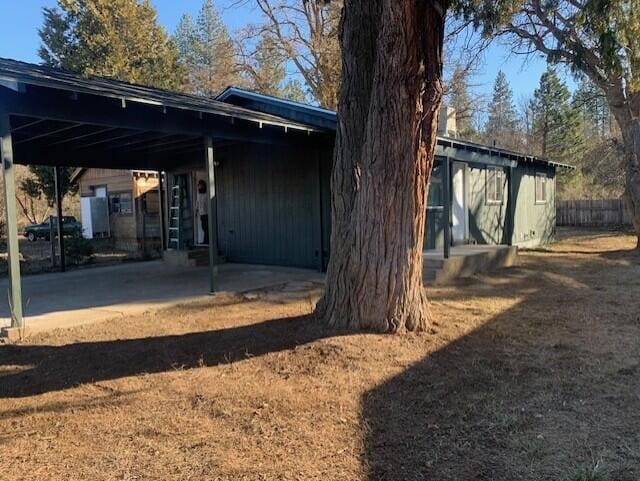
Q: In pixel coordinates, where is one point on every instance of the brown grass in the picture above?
(532, 373)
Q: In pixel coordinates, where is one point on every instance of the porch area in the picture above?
(464, 261)
(98, 294)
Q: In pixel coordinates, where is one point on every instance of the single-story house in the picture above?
(246, 174)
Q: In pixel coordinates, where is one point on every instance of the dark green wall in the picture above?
(269, 205)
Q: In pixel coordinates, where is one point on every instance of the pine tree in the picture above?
(207, 51)
(557, 124)
(118, 39)
(502, 123)
(557, 127)
(266, 73)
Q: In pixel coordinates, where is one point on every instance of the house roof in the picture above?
(14, 72)
(324, 118)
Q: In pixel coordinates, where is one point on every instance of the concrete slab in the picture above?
(84, 296)
(465, 261)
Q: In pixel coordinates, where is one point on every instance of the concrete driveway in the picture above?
(96, 294)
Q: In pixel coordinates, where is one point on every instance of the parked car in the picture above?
(70, 226)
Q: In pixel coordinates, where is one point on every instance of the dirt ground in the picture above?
(531, 373)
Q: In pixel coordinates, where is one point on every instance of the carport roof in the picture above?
(60, 118)
(13, 73)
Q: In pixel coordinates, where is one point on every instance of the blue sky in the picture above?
(19, 38)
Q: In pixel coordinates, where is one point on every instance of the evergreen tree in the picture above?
(502, 123)
(596, 115)
(556, 124)
(118, 39)
(265, 70)
(558, 130)
(207, 51)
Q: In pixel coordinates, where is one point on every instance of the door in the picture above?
(458, 203)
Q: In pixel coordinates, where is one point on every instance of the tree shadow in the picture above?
(53, 368)
(520, 397)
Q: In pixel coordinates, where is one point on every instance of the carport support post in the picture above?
(212, 217)
(15, 293)
(56, 176)
(446, 184)
(161, 211)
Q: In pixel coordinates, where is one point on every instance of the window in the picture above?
(120, 203)
(541, 188)
(495, 185)
(435, 199)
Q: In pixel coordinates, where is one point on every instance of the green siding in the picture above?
(268, 202)
(534, 223)
(488, 222)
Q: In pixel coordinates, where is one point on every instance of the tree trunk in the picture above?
(627, 113)
(388, 109)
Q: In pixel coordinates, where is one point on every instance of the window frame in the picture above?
(541, 176)
(112, 195)
(499, 178)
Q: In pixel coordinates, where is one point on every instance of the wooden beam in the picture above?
(213, 215)
(48, 134)
(84, 136)
(161, 212)
(15, 288)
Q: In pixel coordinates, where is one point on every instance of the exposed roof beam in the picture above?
(48, 134)
(84, 136)
(110, 139)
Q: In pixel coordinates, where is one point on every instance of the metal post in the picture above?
(15, 291)
(58, 186)
(161, 211)
(446, 184)
(52, 241)
(212, 217)
(511, 205)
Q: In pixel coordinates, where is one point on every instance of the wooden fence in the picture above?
(592, 213)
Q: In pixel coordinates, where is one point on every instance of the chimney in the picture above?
(447, 122)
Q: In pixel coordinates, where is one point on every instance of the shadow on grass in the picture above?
(519, 398)
(60, 367)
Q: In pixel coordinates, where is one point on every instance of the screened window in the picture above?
(435, 199)
(121, 203)
(495, 185)
(541, 188)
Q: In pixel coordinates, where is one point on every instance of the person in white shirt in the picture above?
(202, 209)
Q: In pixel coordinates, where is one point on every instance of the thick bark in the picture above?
(626, 109)
(632, 188)
(392, 64)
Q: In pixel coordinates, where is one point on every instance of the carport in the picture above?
(51, 117)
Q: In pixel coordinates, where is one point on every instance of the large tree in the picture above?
(502, 122)
(207, 52)
(556, 122)
(306, 34)
(598, 38)
(119, 39)
(388, 105)
(265, 69)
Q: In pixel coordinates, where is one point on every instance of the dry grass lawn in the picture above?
(532, 373)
